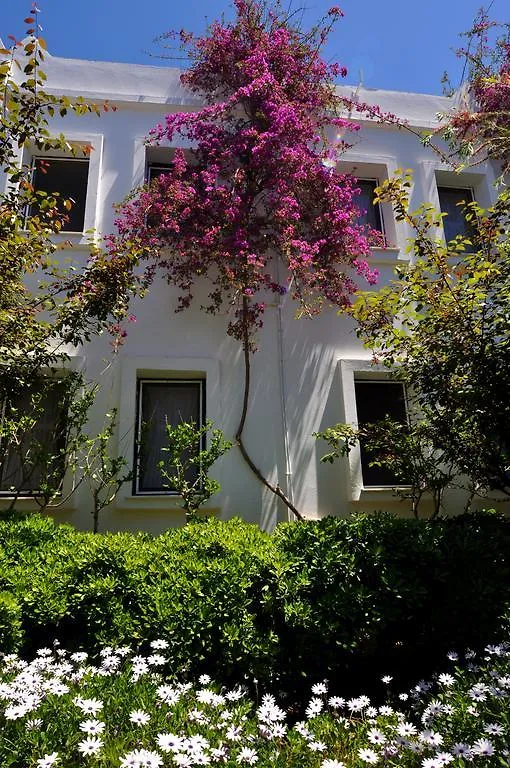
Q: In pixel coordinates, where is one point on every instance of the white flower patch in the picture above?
(152, 722)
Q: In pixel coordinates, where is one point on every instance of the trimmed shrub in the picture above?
(377, 594)
(343, 599)
(200, 587)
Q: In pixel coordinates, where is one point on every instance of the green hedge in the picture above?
(343, 599)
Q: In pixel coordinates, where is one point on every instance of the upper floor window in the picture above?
(370, 212)
(453, 201)
(162, 402)
(375, 401)
(68, 178)
(156, 169)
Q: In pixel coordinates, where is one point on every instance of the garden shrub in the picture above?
(200, 587)
(372, 594)
(343, 599)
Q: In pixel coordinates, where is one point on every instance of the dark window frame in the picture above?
(375, 208)
(469, 230)
(81, 202)
(159, 167)
(383, 477)
(163, 382)
(59, 433)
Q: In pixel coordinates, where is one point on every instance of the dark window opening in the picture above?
(159, 403)
(68, 178)
(370, 212)
(157, 169)
(375, 401)
(453, 202)
(36, 455)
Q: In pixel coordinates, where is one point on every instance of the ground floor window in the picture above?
(33, 438)
(377, 400)
(162, 402)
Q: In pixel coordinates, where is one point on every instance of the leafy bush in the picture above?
(200, 587)
(126, 711)
(343, 599)
(374, 593)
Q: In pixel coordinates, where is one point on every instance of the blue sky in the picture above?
(402, 45)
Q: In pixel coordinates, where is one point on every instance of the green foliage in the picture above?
(131, 710)
(376, 591)
(407, 450)
(341, 599)
(188, 462)
(46, 302)
(443, 328)
(104, 471)
(11, 634)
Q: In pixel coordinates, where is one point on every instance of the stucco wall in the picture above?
(319, 356)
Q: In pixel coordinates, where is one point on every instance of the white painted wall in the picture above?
(318, 354)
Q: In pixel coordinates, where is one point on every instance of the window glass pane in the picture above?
(370, 214)
(69, 179)
(452, 202)
(36, 456)
(161, 403)
(376, 400)
(156, 169)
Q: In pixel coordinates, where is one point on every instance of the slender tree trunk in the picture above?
(239, 434)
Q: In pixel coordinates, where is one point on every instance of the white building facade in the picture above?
(307, 373)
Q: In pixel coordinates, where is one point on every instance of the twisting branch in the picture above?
(239, 434)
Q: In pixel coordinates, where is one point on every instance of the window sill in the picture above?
(82, 241)
(29, 504)
(379, 493)
(158, 502)
(389, 255)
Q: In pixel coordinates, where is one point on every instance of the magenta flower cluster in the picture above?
(260, 181)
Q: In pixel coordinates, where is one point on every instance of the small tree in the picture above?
(188, 463)
(103, 469)
(44, 305)
(442, 327)
(409, 451)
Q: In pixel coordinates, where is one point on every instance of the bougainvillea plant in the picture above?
(259, 182)
(480, 129)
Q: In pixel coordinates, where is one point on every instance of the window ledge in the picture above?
(389, 255)
(80, 241)
(163, 502)
(377, 493)
(29, 504)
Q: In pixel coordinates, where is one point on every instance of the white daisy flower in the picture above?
(376, 737)
(48, 760)
(483, 748)
(247, 755)
(314, 708)
(90, 746)
(92, 727)
(461, 750)
(368, 756)
(139, 717)
(159, 645)
(317, 746)
(89, 706)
